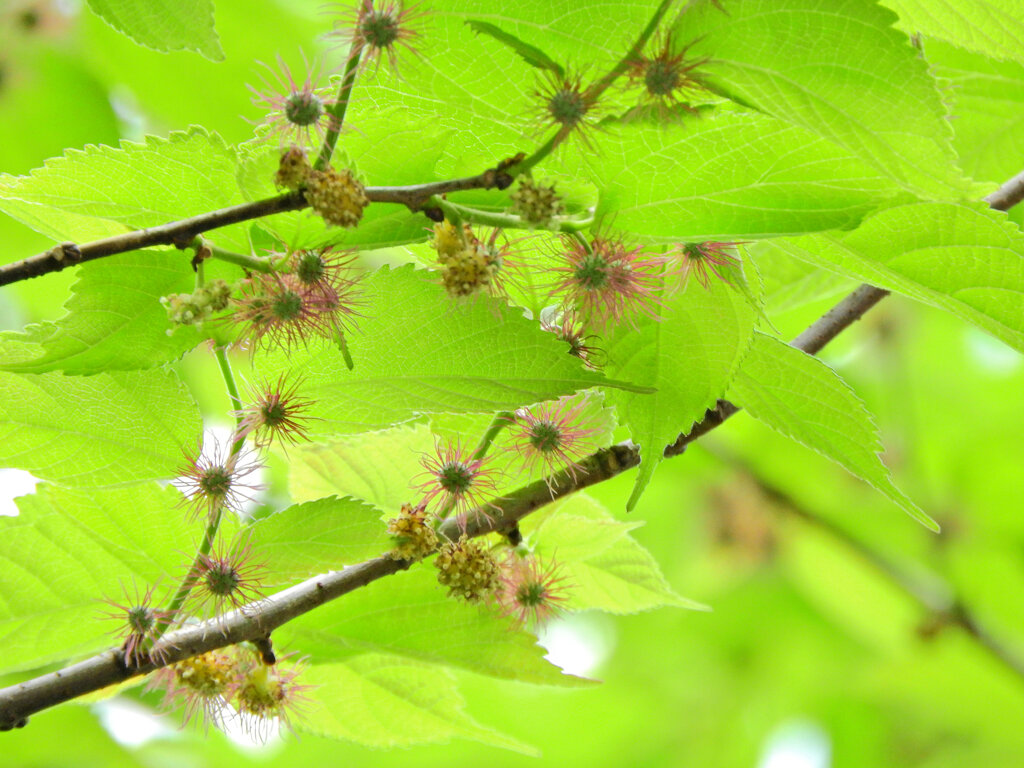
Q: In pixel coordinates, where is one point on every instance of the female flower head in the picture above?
(455, 481)
(138, 623)
(553, 435)
(296, 112)
(217, 479)
(604, 281)
(530, 592)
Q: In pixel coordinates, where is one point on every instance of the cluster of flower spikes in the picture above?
(537, 203)
(337, 196)
(468, 265)
(413, 533)
(233, 683)
(469, 569)
(195, 307)
(315, 299)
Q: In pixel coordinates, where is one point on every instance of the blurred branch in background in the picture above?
(942, 606)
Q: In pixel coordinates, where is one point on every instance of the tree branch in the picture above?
(182, 233)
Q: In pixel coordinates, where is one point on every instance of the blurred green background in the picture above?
(813, 655)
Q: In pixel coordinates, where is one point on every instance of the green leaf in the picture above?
(114, 319)
(988, 100)
(475, 356)
(408, 614)
(839, 71)
(70, 549)
(326, 534)
(688, 357)
(532, 55)
(992, 27)
(164, 25)
(800, 397)
(382, 700)
(603, 566)
(674, 182)
(104, 430)
(379, 467)
(102, 191)
(966, 259)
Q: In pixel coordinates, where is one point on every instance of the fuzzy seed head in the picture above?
(137, 619)
(303, 108)
(545, 436)
(567, 106)
(310, 267)
(712, 257)
(228, 577)
(661, 78)
(293, 169)
(215, 481)
(295, 111)
(277, 411)
(457, 481)
(554, 435)
(281, 310)
(336, 196)
(380, 29)
(604, 281)
(468, 569)
(668, 78)
(529, 592)
(413, 533)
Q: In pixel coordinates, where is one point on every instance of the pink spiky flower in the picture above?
(277, 411)
(228, 577)
(217, 479)
(565, 103)
(378, 29)
(568, 328)
(280, 310)
(296, 111)
(138, 621)
(530, 592)
(553, 436)
(265, 694)
(604, 281)
(459, 482)
(699, 258)
(668, 78)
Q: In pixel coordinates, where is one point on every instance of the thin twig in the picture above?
(182, 233)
